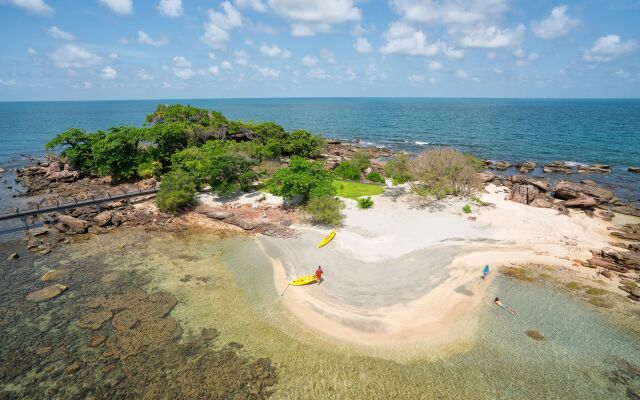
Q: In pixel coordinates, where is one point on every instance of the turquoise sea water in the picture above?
(583, 131)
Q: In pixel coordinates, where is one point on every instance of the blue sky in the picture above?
(135, 49)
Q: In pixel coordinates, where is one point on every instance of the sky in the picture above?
(174, 49)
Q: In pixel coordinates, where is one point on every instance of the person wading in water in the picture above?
(319, 273)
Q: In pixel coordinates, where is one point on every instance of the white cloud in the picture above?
(212, 56)
(242, 58)
(144, 75)
(170, 8)
(622, 74)
(182, 68)
(327, 56)
(317, 73)
(309, 61)
(32, 51)
(415, 79)
(349, 75)
(143, 37)
(358, 30)
(274, 51)
(451, 53)
(493, 37)
(362, 45)
(122, 7)
(166, 85)
(108, 73)
(268, 72)
(434, 65)
(464, 75)
(607, 48)
(255, 5)
(433, 80)
(73, 56)
(214, 70)
(491, 55)
(525, 59)
(403, 39)
(87, 84)
(8, 83)
(249, 42)
(71, 72)
(34, 6)
(497, 70)
(226, 65)
(58, 33)
(458, 12)
(114, 56)
(181, 62)
(216, 29)
(558, 23)
(312, 16)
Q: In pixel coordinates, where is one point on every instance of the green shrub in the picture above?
(177, 189)
(365, 202)
(397, 168)
(347, 171)
(149, 169)
(302, 177)
(466, 209)
(116, 153)
(375, 177)
(325, 210)
(479, 201)
(193, 160)
(475, 162)
(443, 171)
(361, 161)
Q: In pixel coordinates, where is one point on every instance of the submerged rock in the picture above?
(208, 333)
(634, 169)
(46, 293)
(94, 320)
(97, 340)
(53, 274)
(13, 256)
(535, 335)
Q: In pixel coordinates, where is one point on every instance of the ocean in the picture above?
(515, 130)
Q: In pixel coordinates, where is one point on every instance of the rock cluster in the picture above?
(336, 152)
(267, 220)
(529, 190)
(558, 167)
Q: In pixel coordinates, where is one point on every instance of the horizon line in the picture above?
(321, 97)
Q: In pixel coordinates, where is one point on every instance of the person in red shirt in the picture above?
(319, 273)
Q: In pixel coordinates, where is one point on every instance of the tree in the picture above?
(302, 177)
(303, 144)
(266, 131)
(77, 148)
(442, 172)
(231, 172)
(116, 153)
(193, 160)
(397, 168)
(177, 189)
(168, 138)
(325, 210)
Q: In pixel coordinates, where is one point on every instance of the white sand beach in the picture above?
(405, 274)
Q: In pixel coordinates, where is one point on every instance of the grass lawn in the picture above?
(353, 190)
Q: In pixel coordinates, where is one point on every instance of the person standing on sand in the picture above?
(319, 273)
(485, 272)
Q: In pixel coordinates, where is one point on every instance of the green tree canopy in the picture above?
(302, 177)
(177, 189)
(229, 173)
(303, 144)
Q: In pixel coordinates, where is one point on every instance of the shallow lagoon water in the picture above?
(583, 355)
(225, 282)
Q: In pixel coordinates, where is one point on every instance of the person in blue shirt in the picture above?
(485, 271)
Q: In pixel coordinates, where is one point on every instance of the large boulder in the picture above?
(486, 176)
(523, 194)
(64, 176)
(74, 224)
(634, 169)
(542, 201)
(540, 183)
(219, 214)
(572, 190)
(103, 218)
(581, 202)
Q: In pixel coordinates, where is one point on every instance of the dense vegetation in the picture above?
(191, 148)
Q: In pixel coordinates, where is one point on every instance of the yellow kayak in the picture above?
(327, 239)
(305, 280)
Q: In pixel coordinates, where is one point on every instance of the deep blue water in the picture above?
(585, 131)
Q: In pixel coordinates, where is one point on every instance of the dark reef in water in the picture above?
(106, 338)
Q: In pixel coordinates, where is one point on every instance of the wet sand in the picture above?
(405, 274)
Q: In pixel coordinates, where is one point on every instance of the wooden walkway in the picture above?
(18, 213)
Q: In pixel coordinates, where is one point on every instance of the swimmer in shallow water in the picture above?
(506, 308)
